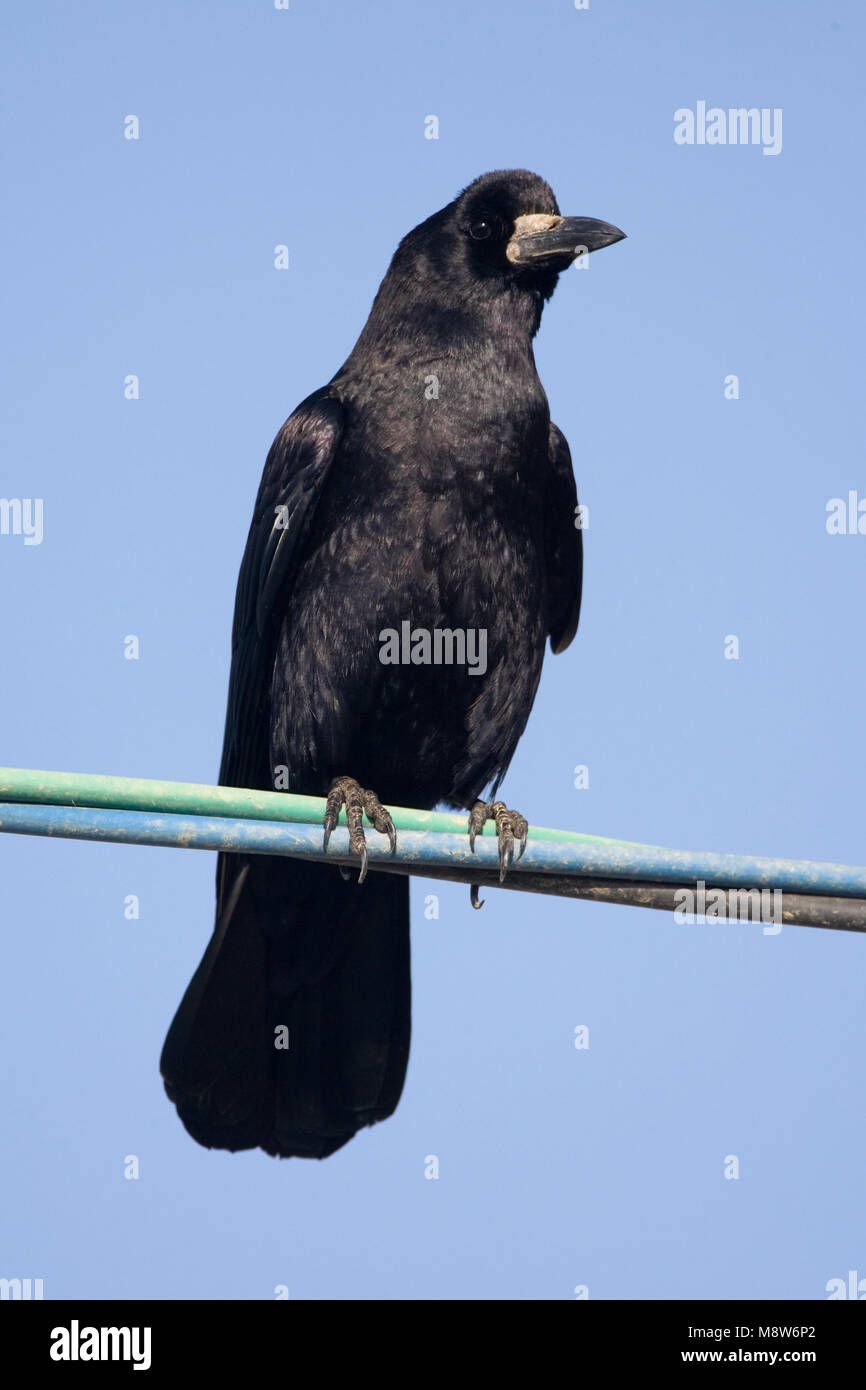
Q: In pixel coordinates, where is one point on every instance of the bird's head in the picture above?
(511, 229)
(484, 264)
(490, 258)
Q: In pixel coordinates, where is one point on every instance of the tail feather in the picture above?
(294, 1031)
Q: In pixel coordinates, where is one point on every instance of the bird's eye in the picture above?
(481, 230)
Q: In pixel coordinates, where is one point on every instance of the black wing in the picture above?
(294, 474)
(294, 945)
(563, 548)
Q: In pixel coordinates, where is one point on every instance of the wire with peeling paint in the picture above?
(813, 894)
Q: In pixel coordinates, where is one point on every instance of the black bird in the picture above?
(425, 484)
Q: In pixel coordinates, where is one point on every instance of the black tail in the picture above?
(294, 1031)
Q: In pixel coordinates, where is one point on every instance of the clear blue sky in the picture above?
(154, 257)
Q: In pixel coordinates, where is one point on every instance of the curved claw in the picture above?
(511, 829)
(473, 896)
(505, 857)
(345, 791)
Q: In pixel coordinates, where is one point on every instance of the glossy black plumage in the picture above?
(425, 483)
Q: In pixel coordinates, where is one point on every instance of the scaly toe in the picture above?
(511, 828)
(345, 791)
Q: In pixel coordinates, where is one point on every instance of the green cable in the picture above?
(194, 798)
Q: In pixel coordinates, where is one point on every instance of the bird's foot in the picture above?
(345, 791)
(511, 827)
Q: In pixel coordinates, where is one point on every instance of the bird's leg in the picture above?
(510, 826)
(346, 791)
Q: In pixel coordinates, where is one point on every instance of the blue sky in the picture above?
(603, 1167)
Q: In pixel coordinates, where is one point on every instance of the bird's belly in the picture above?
(410, 654)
